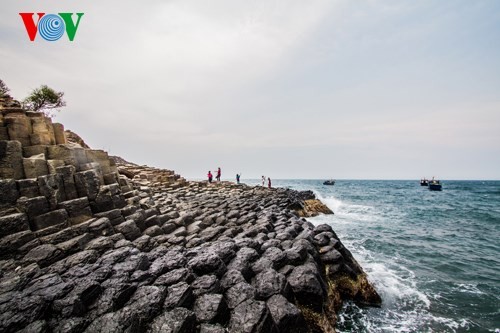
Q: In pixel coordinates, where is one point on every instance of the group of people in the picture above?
(238, 177)
(210, 176)
(268, 181)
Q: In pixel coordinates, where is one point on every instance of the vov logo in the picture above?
(51, 27)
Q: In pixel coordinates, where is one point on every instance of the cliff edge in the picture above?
(94, 244)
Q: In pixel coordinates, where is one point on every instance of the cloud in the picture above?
(181, 83)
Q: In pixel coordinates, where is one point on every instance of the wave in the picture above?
(405, 308)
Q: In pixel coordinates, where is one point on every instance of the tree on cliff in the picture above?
(44, 99)
(3, 88)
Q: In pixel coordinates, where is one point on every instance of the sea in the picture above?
(434, 257)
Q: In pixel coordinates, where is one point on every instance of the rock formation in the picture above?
(72, 137)
(90, 246)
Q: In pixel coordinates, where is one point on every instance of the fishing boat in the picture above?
(329, 182)
(424, 182)
(435, 185)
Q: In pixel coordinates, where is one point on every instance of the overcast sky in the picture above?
(286, 88)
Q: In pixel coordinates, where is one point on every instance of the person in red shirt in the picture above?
(209, 177)
(269, 182)
(218, 174)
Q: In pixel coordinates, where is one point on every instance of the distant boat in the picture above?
(435, 185)
(329, 182)
(424, 182)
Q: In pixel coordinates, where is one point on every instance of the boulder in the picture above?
(205, 284)
(239, 293)
(269, 283)
(67, 173)
(179, 295)
(52, 187)
(78, 210)
(87, 184)
(53, 218)
(179, 320)
(27, 188)
(33, 207)
(206, 263)
(286, 316)
(129, 229)
(11, 160)
(307, 287)
(211, 308)
(13, 223)
(9, 192)
(35, 166)
(251, 316)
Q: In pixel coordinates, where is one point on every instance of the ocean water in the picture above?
(434, 257)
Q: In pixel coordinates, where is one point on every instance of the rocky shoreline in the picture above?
(88, 245)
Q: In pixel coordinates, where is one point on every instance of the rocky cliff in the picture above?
(87, 245)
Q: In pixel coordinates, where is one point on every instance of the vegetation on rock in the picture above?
(3, 88)
(45, 99)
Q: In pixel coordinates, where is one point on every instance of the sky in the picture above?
(373, 89)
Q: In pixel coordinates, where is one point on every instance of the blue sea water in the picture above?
(434, 257)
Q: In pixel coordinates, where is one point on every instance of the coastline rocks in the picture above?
(89, 246)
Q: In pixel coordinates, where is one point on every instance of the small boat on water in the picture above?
(435, 185)
(424, 182)
(329, 182)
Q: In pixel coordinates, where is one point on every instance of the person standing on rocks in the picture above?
(209, 176)
(238, 175)
(269, 182)
(218, 174)
(263, 180)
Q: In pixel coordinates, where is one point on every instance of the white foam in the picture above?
(469, 288)
(405, 308)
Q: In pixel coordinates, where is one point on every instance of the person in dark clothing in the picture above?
(209, 177)
(238, 178)
(269, 182)
(218, 174)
